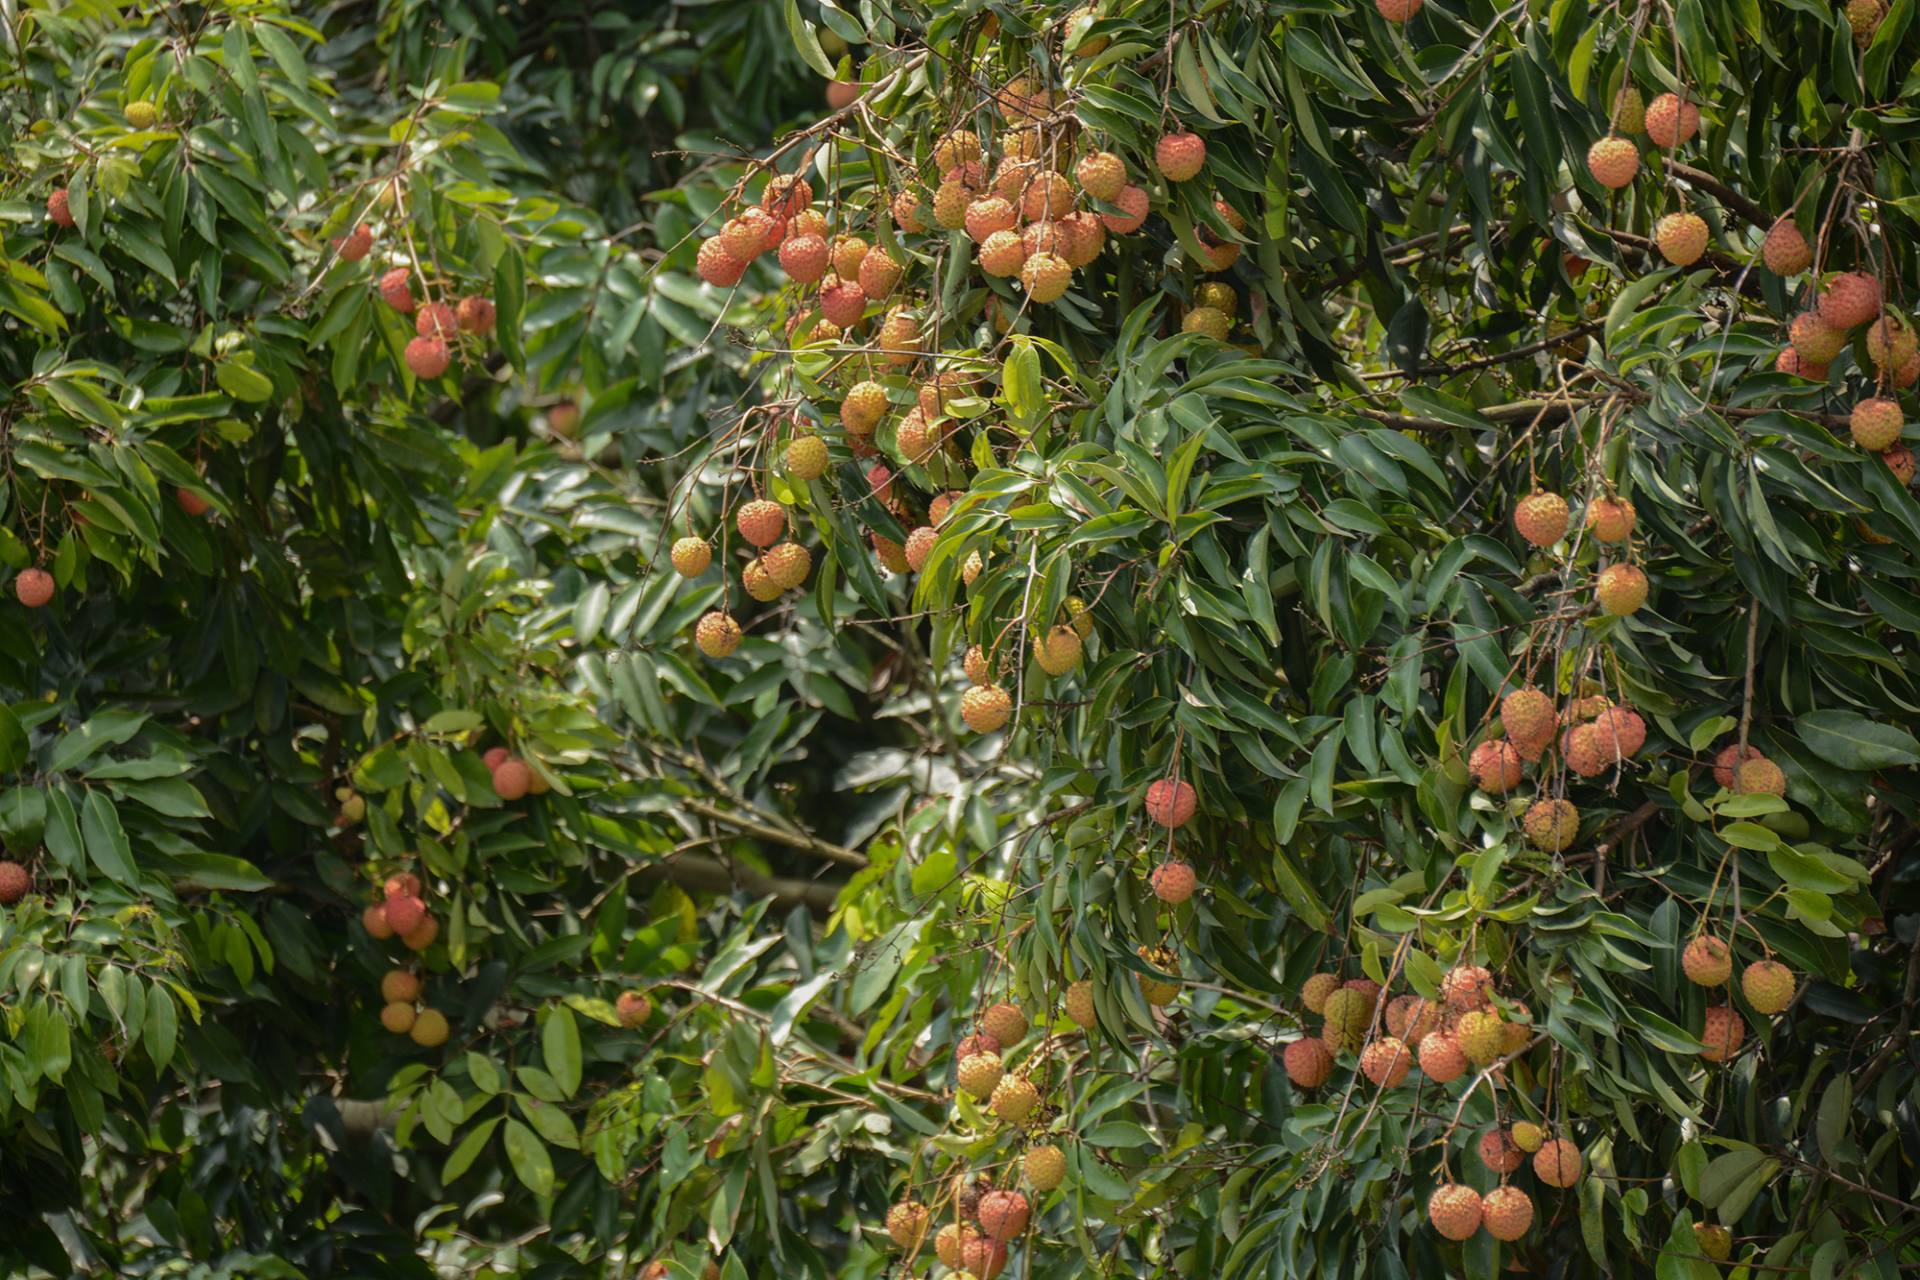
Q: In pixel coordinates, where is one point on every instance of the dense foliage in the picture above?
(1232, 617)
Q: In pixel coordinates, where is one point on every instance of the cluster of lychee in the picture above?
(402, 1013)
(513, 778)
(1768, 985)
(777, 567)
(401, 913)
(986, 706)
(437, 325)
(1593, 735)
(1542, 517)
(1669, 121)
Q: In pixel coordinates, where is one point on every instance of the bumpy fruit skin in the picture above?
(1133, 205)
(1002, 254)
(847, 253)
(1708, 961)
(1613, 162)
(950, 201)
(1173, 882)
(58, 208)
(786, 195)
(1768, 985)
(1785, 250)
(1496, 766)
(1158, 992)
(891, 555)
(804, 258)
(14, 882)
(1890, 341)
(1170, 802)
(397, 1016)
(1580, 748)
(1003, 1214)
(1558, 1163)
(1760, 777)
(1412, 1018)
(1815, 338)
(1629, 110)
(1791, 361)
(981, 1259)
(1541, 518)
(787, 564)
(33, 587)
(843, 303)
(1506, 1213)
(1014, 1099)
(1467, 986)
(1729, 758)
(404, 912)
(1620, 590)
(1876, 423)
(1527, 715)
(1398, 10)
(354, 245)
(1620, 731)
(1368, 989)
(1610, 519)
(1714, 1240)
(1046, 277)
(429, 1029)
(435, 320)
(807, 457)
(1045, 1167)
(1499, 1152)
(1057, 650)
(907, 1223)
(374, 921)
(761, 522)
(919, 548)
(948, 1240)
(1209, 321)
(1441, 1058)
(475, 315)
(1101, 174)
(1455, 1211)
(906, 212)
(1481, 1036)
(1179, 156)
(1047, 197)
(1682, 238)
(691, 556)
(985, 708)
(863, 408)
(879, 273)
(399, 985)
(899, 338)
(1005, 1022)
(717, 634)
(632, 1008)
(396, 290)
(1308, 1062)
(1528, 1136)
(1850, 299)
(428, 357)
(1672, 122)
(1552, 824)
(1386, 1061)
(1864, 18)
(1315, 990)
(980, 1074)
(980, 1042)
(1079, 1004)
(960, 147)
(1347, 1013)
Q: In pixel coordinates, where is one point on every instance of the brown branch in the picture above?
(710, 875)
(1725, 194)
(792, 839)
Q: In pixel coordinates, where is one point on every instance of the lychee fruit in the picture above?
(1672, 121)
(1791, 361)
(1580, 748)
(1080, 1006)
(1455, 1210)
(1528, 1136)
(1045, 1167)
(807, 457)
(844, 303)
(1760, 777)
(1900, 461)
(1398, 10)
(977, 1043)
(989, 214)
(1729, 758)
(1002, 254)
(919, 547)
(1768, 985)
(717, 634)
(847, 253)
(716, 265)
(786, 195)
(1620, 731)
(1014, 1099)
(1179, 156)
(429, 1030)
(374, 921)
(1157, 991)
(1308, 1062)
(1003, 1214)
(435, 320)
(1506, 1213)
(59, 210)
(1046, 277)
(1541, 518)
(1785, 250)
(1467, 986)
(1209, 321)
(1481, 1036)
(1441, 1058)
(1620, 589)
(804, 258)
(1610, 518)
(1005, 1022)
(1851, 298)
(1551, 824)
(1722, 1033)
(947, 1242)
(907, 1223)
(1815, 338)
(475, 315)
(906, 211)
(899, 338)
(691, 556)
(880, 273)
(1173, 882)
(1613, 162)
(1558, 1163)
(1411, 1018)
(1629, 110)
(1101, 174)
(759, 582)
(761, 522)
(396, 290)
(397, 1017)
(1707, 960)
(1386, 1061)
(1714, 1240)
(354, 245)
(980, 1074)
(1681, 237)
(1048, 196)
(1498, 1151)
(1057, 650)
(863, 407)
(1347, 1014)
(985, 708)
(404, 911)
(1496, 766)
(428, 357)
(1170, 802)
(891, 555)
(960, 147)
(14, 882)
(511, 781)
(1315, 990)
(632, 1008)
(1876, 423)
(33, 587)
(1890, 341)
(1863, 18)
(950, 201)
(1527, 715)
(982, 1258)
(1133, 206)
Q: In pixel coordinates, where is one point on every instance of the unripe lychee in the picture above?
(1057, 650)
(807, 222)
(1672, 121)
(950, 201)
(1760, 777)
(691, 556)
(1558, 1163)
(1157, 991)
(1481, 1036)
(1850, 299)
(960, 147)
(980, 1074)
(1722, 1033)
(1045, 1167)
(1541, 517)
(1455, 1210)
(429, 1030)
(1682, 238)
(1629, 110)
(1170, 802)
(1768, 985)
(1002, 254)
(1206, 320)
(759, 582)
(1714, 1240)
(804, 258)
(717, 634)
(979, 1042)
(1620, 589)
(1890, 341)
(844, 303)
(1005, 1022)
(1003, 1214)
(761, 522)
(1785, 250)
(1441, 1058)
(1610, 518)
(1815, 338)
(1046, 277)
(907, 1223)
(1308, 1062)
(400, 985)
(880, 273)
(744, 239)
(978, 667)
(1613, 162)
(1315, 990)
(1506, 1213)
(1014, 1099)
(1496, 766)
(1133, 205)
(1876, 423)
(1707, 960)
(863, 408)
(1101, 174)
(1179, 156)
(1552, 824)
(59, 210)
(354, 245)
(807, 457)
(396, 290)
(947, 1242)
(1173, 882)
(847, 252)
(985, 708)
(428, 357)
(397, 1016)
(1386, 1061)
(1729, 758)
(1527, 715)
(1411, 1018)
(632, 1008)
(899, 339)
(1864, 18)
(981, 1259)
(1347, 1014)
(917, 442)
(1499, 1152)
(989, 214)
(1791, 361)
(1080, 1005)
(14, 882)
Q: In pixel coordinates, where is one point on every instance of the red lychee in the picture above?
(1101, 174)
(1722, 1033)
(1498, 1152)
(1003, 1214)
(761, 522)
(33, 587)
(1527, 714)
(475, 315)
(14, 882)
(804, 258)
(1850, 299)
(1133, 205)
(716, 264)
(404, 911)
(1179, 156)
(1790, 361)
(428, 357)
(1441, 1058)
(1455, 1210)
(1308, 1062)
(786, 195)
(59, 209)
(1046, 277)
(632, 1008)
(435, 320)
(512, 779)
(354, 245)
(1386, 1061)
(396, 290)
(1170, 802)
(1496, 766)
(1173, 882)
(1610, 518)
(1672, 121)
(1785, 250)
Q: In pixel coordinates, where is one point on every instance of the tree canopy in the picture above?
(922, 637)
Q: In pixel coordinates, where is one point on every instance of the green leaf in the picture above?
(106, 840)
(560, 1048)
(1851, 741)
(472, 1143)
(528, 1155)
